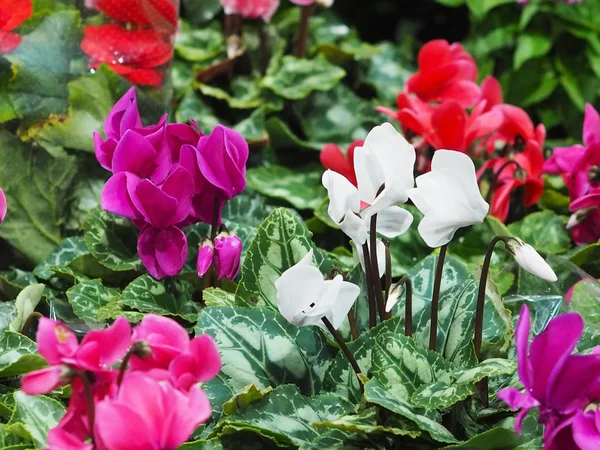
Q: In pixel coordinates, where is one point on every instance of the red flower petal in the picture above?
(158, 14)
(8, 42)
(449, 122)
(13, 13)
(501, 199)
(534, 187)
(491, 92)
(332, 158)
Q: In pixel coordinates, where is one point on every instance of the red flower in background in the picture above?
(134, 54)
(156, 14)
(333, 158)
(446, 72)
(12, 14)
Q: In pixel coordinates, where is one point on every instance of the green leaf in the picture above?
(14, 281)
(584, 300)
(280, 242)
(409, 248)
(218, 297)
(8, 312)
(41, 65)
(296, 78)
(543, 230)
(111, 239)
(36, 187)
(25, 304)
(18, 355)
(150, 296)
(285, 416)
(34, 416)
(494, 439)
(531, 45)
(301, 186)
(62, 256)
(282, 137)
(260, 347)
(85, 197)
(200, 44)
(571, 84)
(211, 444)
(245, 93)
(388, 72)
(191, 107)
(88, 296)
(200, 11)
(244, 398)
(366, 423)
(480, 8)
(91, 98)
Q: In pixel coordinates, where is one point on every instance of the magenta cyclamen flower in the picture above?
(556, 382)
(150, 415)
(225, 253)
(180, 134)
(585, 221)
(97, 352)
(3, 205)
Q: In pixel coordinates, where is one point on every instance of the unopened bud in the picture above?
(579, 217)
(141, 349)
(396, 291)
(594, 173)
(530, 260)
(205, 256)
(66, 374)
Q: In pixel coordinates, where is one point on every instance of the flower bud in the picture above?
(396, 292)
(141, 349)
(228, 253)
(205, 257)
(594, 173)
(578, 217)
(530, 260)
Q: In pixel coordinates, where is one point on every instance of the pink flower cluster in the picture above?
(579, 166)
(152, 402)
(167, 176)
(565, 388)
(253, 9)
(442, 107)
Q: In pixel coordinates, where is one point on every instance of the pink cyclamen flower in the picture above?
(556, 382)
(586, 429)
(162, 251)
(3, 206)
(225, 253)
(150, 415)
(206, 252)
(251, 9)
(200, 363)
(180, 134)
(580, 165)
(98, 350)
(585, 221)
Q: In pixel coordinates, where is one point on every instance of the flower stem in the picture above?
(370, 288)
(388, 274)
(124, 365)
(89, 395)
(435, 298)
(344, 347)
(214, 228)
(481, 293)
(303, 33)
(408, 305)
(353, 327)
(375, 269)
(265, 49)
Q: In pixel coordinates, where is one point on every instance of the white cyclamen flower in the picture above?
(448, 196)
(530, 260)
(304, 297)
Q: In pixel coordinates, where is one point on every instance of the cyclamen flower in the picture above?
(12, 14)
(580, 165)
(334, 159)
(446, 72)
(304, 298)
(448, 197)
(156, 14)
(251, 9)
(530, 260)
(556, 382)
(585, 221)
(225, 253)
(3, 205)
(97, 352)
(151, 414)
(134, 54)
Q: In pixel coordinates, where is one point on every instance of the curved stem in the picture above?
(124, 365)
(485, 269)
(408, 305)
(344, 347)
(303, 33)
(375, 269)
(435, 298)
(353, 326)
(388, 274)
(496, 176)
(370, 289)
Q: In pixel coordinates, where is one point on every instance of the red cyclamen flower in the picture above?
(157, 14)
(334, 159)
(135, 54)
(12, 14)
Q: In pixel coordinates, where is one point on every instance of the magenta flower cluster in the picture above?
(580, 167)
(564, 387)
(166, 177)
(152, 402)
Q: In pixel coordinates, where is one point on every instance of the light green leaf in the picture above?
(301, 186)
(259, 347)
(62, 256)
(111, 239)
(298, 77)
(191, 107)
(366, 423)
(26, 302)
(8, 312)
(14, 281)
(244, 398)
(211, 444)
(281, 241)
(480, 8)
(18, 355)
(285, 416)
(531, 45)
(34, 416)
(88, 296)
(200, 44)
(543, 230)
(218, 297)
(36, 187)
(388, 71)
(245, 93)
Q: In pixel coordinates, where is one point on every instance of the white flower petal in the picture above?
(307, 260)
(380, 256)
(369, 174)
(297, 288)
(343, 195)
(354, 227)
(393, 221)
(531, 261)
(346, 297)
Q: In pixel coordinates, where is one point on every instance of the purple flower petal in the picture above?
(163, 252)
(522, 345)
(3, 205)
(591, 126)
(116, 196)
(571, 388)
(586, 430)
(104, 151)
(180, 134)
(550, 350)
(135, 154)
(516, 399)
(180, 185)
(157, 207)
(228, 252)
(123, 116)
(205, 257)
